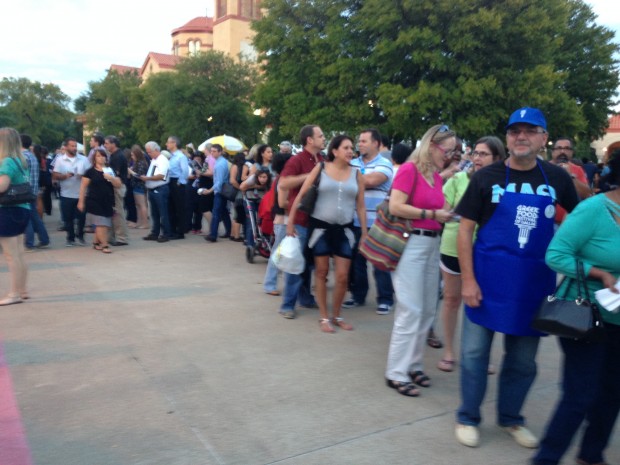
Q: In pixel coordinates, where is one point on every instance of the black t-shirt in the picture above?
(118, 163)
(487, 185)
(100, 195)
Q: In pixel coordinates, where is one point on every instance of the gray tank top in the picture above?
(335, 203)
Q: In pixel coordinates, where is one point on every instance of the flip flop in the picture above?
(446, 365)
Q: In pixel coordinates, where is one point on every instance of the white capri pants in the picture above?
(416, 285)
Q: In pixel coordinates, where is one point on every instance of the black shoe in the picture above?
(118, 243)
(162, 239)
(150, 237)
(210, 239)
(177, 237)
(236, 239)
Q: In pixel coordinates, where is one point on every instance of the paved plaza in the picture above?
(171, 354)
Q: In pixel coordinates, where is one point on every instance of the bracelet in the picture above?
(434, 213)
(423, 215)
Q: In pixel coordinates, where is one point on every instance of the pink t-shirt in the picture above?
(425, 196)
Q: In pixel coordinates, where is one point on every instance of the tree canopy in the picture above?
(39, 110)
(406, 65)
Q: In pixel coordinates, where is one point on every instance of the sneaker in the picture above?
(70, 244)
(383, 309)
(81, 242)
(350, 303)
(288, 314)
(467, 435)
(522, 436)
(43, 246)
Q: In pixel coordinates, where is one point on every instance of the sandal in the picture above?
(326, 326)
(275, 293)
(97, 246)
(105, 249)
(420, 378)
(342, 324)
(404, 388)
(433, 341)
(446, 365)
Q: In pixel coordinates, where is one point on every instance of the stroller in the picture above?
(262, 229)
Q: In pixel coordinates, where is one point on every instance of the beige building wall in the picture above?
(181, 41)
(232, 33)
(152, 67)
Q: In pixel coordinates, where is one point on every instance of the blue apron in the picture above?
(509, 262)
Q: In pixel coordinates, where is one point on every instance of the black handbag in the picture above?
(17, 193)
(229, 191)
(308, 201)
(577, 319)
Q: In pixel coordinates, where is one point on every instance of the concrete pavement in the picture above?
(171, 354)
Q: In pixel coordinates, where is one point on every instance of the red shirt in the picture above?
(580, 175)
(302, 163)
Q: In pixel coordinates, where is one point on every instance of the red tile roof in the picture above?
(199, 24)
(122, 69)
(163, 60)
(614, 123)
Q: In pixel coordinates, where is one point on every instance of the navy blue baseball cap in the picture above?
(529, 116)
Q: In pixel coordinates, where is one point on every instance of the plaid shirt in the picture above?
(33, 167)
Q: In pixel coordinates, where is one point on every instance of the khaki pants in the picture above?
(118, 232)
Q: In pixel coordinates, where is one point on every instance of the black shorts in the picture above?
(450, 264)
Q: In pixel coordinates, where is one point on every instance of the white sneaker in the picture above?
(467, 435)
(522, 436)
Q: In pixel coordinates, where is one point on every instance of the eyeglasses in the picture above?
(562, 148)
(444, 151)
(530, 132)
(480, 154)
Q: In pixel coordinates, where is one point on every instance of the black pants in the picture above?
(176, 204)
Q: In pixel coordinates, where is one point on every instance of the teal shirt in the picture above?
(11, 167)
(453, 190)
(591, 234)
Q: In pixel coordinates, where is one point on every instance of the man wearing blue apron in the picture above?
(504, 275)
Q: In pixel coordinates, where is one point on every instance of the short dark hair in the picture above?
(571, 141)
(217, 147)
(375, 135)
(69, 139)
(305, 132)
(176, 140)
(495, 145)
(385, 141)
(400, 153)
(335, 143)
(279, 160)
(113, 140)
(98, 137)
(26, 140)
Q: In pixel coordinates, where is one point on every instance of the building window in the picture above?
(197, 46)
(175, 49)
(249, 9)
(221, 8)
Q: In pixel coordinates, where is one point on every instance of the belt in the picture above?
(425, 232)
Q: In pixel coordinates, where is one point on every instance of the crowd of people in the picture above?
(493, 223)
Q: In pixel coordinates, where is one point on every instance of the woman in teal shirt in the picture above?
(14, 218)
(591, 373)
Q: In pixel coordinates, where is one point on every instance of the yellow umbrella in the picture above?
(231, 144)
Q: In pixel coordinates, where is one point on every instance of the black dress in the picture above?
(100, 195)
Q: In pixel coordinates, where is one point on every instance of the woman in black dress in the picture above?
(97, 198)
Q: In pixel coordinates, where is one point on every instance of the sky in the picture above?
(72, 42)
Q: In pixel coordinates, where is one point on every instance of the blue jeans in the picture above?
(358, 278)
(158, 199)
(583, 365)
(517, 374)
(220, 213)
(35, 225)
(297, 286)
(70, 213)
(270, 282)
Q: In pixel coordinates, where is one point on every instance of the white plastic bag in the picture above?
(288, 256)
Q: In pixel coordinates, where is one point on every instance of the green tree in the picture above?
(39, 110)
(108, 105)
(209, 94)
(413, 63)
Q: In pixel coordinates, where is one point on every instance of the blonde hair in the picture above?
(421, 156)
(11, 145)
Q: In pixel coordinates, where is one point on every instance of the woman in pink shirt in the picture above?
(417, 195)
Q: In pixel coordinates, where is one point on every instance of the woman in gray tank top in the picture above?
(340, 192)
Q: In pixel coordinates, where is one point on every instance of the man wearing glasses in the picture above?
(562, 156)
(504, 275)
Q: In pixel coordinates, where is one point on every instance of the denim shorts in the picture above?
(13, 221)
(333, 242)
